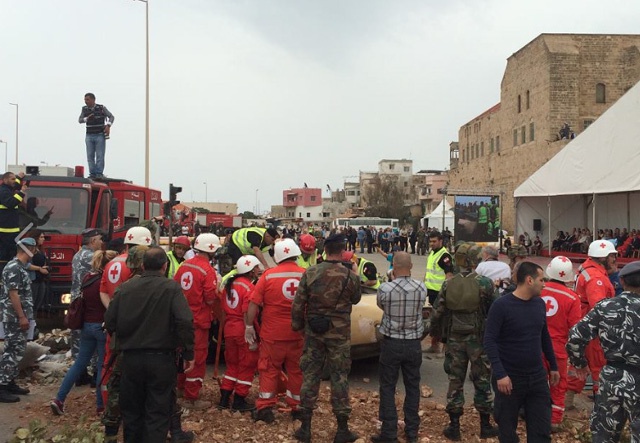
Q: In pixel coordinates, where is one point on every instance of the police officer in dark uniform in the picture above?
(16, 308)
(12, 192)
(459, 315)
(616, 321)
(99, 121)
(322, 307)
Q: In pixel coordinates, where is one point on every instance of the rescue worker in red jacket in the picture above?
(198, 281)
(240, 357)
(279, 344)
(563, 312)
(593, 285)
(115, 273)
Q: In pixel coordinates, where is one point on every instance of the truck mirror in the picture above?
(113, 210)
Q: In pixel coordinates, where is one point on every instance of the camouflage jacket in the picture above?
(616, 321)
(443, 318)
(15, 276)
(80, 266)
(318, 293)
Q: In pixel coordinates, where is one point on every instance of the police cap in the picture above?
(92, 232)
(630, 268)
(335, 238)
(27, 241)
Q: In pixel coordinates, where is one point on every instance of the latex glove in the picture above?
(250, 334)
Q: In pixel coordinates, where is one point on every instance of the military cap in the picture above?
(630, 268)
(92, 232)
(335, 238)
(28, 241)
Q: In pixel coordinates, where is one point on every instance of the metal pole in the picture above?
(206, 198)
(17, 115)
(146, 134)
(6, 149)
(549, 225)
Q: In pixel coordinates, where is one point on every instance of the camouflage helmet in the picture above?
(135, 256)
(517, 251)
(467, 254)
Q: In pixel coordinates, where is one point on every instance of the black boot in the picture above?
(486, 429)
(452, 432)
(266, 415)
(175, 428)
(303, 433)
(344, 435)
(6, 396)
(111, 434)
(224, 399)
(13, 388)
(240, 404)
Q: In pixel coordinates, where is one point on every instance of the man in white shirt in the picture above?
(491, 267)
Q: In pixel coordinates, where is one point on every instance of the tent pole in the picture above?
(593, 206)
(549, 225)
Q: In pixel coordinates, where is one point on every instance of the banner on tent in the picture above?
(477, 217)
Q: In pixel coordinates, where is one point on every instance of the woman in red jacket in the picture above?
(241, 358)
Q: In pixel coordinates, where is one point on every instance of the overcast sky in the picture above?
(267, 95)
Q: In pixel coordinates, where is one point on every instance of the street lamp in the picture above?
(206, 199)
(257, 208)
(146, 110)
(6, 149)
(16, 105)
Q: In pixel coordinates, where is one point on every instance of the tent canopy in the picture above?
(604, 159)
(434, 219)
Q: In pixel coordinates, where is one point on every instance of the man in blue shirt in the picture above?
(515, 338)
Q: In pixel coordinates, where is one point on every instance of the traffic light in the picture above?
(173, 194)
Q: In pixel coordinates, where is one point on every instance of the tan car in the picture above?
(365, 320)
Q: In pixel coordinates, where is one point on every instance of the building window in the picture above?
(531, 132)
(601, 93)
(523, 134)
(406, 169)
(515, 137)
(481, 149)
(475, 128)
(491, 145)
(351, 192)
(308, 214)
(497, 143)
(477, 150)
(528, 100)
(406, 184)
(406, 196)
(473, 151)
(300, 214)
(313, 198)
(586, 124)
(519, 104)
(326, 214)
(392, 166)
(479, 126)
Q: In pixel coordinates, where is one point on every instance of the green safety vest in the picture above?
(312, 260)
(483, 214)
(173, 264)
(435, 276)
(364, 278)
(239, 239)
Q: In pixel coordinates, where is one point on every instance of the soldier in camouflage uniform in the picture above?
(616, 321)
(458, 315)
(327, 290)
(16, 309)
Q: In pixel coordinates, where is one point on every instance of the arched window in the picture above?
(601, 96)
(519, 104)
(528, 100)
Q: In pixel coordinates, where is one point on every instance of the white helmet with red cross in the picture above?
(138, 235)
(246, 264)
(285, 249)
(561, 269)
(601, 248)
(207, 243)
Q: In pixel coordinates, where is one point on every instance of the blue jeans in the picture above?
(92, 339)
(397, 356)
(95, 153)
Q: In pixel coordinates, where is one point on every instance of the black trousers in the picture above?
(395, 356)
(533, 393)
(146, 395)
(8, 247)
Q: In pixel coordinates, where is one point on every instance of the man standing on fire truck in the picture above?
(198, 281)
(99, 121)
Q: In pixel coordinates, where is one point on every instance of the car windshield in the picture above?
(56, 210)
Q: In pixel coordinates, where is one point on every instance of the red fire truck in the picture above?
(76, 203)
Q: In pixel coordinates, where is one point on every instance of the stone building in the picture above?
(553, 80)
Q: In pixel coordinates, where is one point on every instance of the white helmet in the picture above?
(560, 268)
(138, 235)
(207, 243)
(284, 249)
(601, 248)
(246, 264)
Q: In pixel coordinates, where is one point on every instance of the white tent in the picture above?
(593, 182)
(443, 212)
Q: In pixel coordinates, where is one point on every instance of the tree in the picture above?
(248, 215)
(383, 198)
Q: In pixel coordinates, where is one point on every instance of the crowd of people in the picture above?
(626, 242)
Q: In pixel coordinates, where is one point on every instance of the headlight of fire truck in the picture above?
(65, 299)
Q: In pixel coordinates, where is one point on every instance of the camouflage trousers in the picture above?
(337, 355)
(15, 345)
(458, 355)
(617, 400)
(112, 416)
